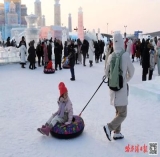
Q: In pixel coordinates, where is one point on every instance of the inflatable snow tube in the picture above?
(49, 71)
(66, 67)
(70, 131)
(65, 63)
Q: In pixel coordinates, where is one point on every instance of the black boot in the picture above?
(90, 63)
(23, 66)
(72, 79)
(34, 66)
(30, 66)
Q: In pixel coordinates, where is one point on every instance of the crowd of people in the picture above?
(73, 51)
(147, 52)
(8, 43)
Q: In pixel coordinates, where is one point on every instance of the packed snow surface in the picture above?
(29, 97)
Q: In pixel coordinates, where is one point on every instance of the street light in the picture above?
(125, 28)
(107, 28)
(125, 31)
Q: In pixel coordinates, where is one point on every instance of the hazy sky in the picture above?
(135, 14)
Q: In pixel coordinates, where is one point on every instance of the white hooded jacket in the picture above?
(120, 98)
(91, 50)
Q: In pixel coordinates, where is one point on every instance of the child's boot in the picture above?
(43, 126)
(39, 130)
(45, 130)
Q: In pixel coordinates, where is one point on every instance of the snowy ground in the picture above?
(27, 99)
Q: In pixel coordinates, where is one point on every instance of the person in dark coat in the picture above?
(145, 60)
(96, 52)
(142, 46)
(84, 50)
(87, 48)
(49, 47)
(8, 43)
(22, 42)
(72, 57)
(155, 40)
(65, 49)
(60, 50)
(101, 49)
(42, 53)
(58, 54)
(39, 53)
(32, 55)
(78, 53)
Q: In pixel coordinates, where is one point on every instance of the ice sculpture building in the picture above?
(12, 15)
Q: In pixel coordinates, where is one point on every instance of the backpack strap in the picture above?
(120, 61)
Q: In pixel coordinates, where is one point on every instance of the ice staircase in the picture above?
(147, 89)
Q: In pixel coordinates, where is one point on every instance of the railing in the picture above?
(9, 55)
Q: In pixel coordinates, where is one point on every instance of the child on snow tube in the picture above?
(64, 113)
(49, 68)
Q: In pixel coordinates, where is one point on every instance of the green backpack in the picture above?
(115, 79)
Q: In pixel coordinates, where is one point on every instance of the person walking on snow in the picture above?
(158, 56)
(119, 99)
(91, 52)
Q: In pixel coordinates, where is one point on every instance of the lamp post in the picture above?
(76, 29)
(125, 31)
(107, 28)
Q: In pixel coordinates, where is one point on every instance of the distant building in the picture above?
(12, 15)
(70, 23)
(38, 11)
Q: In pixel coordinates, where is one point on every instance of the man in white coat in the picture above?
(91, 52)
(119, 99)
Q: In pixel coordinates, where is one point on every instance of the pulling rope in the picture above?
(104, 77)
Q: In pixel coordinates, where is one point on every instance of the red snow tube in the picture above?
(49, 71)
(70, 131)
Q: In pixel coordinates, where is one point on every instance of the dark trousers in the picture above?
(91, 63)
(100, 57)
(76, 57)
(144, 74)
(133, 57)
(22, 65)
(150, 74)
(87, 55)
(84, 58)
(57, 62)
(32, 65)
(39, 60)
(72, 72)
(96, 58)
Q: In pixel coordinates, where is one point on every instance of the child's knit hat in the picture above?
(62, 88)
